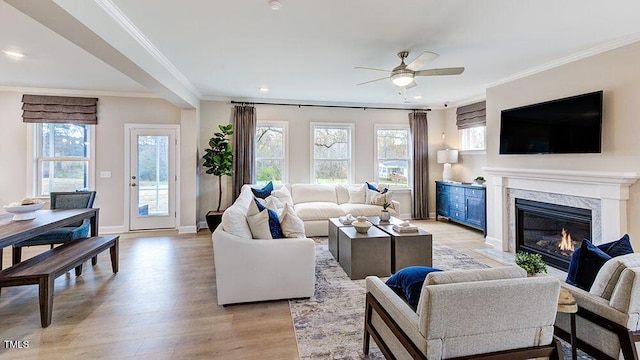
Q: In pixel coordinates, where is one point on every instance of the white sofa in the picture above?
(250, 269)
(315, 204)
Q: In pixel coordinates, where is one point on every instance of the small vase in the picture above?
(385, 215)
(361, 224)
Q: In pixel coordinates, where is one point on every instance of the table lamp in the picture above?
(447, 157)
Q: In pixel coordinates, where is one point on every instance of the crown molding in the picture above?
(78, 92)
(123, 21)
(611, 45)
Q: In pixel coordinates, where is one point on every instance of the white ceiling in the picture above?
(304, 52)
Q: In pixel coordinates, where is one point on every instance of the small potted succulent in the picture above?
(479, 180)
(531, 263)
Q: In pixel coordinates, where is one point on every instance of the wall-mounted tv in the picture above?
(565, 126)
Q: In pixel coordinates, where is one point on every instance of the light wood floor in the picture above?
(161, 305)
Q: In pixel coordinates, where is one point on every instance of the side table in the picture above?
(567, 304)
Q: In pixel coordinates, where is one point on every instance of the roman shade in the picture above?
(472, 115)
(59, 109)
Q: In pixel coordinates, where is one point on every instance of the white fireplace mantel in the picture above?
(611, 188)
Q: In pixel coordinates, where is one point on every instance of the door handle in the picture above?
(134, 184)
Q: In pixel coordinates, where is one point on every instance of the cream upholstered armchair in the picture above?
(608, 317)
(466, 313)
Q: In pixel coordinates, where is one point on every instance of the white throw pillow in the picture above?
(292, 226)
(377, 198)
(357, 194)
(273, 203)
(259, 225)
(283, 195)
(342, 193)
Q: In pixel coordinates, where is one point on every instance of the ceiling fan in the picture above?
(404, 75)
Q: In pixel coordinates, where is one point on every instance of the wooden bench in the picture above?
(44, 268)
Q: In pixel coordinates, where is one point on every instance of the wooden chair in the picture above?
(496, 313)
(61, 200)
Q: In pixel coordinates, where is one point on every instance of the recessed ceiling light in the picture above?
(264, 89)
(13, 54)
(417, 97)
(275, 4)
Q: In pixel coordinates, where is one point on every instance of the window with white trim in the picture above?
(63, 155)
(392, 156)
(473, 139)
(331, 153)
(271, 152)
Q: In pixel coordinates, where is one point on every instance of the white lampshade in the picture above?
(402, 79)
(447, 156)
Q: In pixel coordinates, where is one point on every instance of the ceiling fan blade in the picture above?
(370, 81)
(422, 60)
(443, 71)
(368, 68)
(412, 84)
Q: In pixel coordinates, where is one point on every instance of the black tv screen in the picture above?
(565, 126)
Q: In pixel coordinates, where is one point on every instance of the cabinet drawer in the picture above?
(456, 190)
(476, 193)
(456, 206)
(457, 215)
(442, 189)
(456, 197)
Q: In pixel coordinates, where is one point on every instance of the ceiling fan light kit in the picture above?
(402, 78)
(275, 4)
(404, 75)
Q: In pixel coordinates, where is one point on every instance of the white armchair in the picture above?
(608, 317)
(466, 313)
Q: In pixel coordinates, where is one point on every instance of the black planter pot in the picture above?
(214, 218)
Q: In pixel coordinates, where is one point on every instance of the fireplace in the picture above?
(551, 230)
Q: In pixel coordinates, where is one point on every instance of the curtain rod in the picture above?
(326, 106)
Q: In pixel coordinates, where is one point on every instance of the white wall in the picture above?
(113, 113)
(617, 73)
(299, 120)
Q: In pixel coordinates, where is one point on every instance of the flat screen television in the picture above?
(571, 125)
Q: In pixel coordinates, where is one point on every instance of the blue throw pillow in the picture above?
(613, 249)
(262, 193)
(372, 187)
(618, 247)
(407, 283)
(274, 221)
(590, 261)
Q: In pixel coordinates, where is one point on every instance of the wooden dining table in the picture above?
(13, 232)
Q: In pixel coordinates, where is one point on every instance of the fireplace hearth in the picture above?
(551, 230)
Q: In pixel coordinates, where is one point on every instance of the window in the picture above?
(392, 153)
(473, 138)
(331, 154)
(62, 157)
(271, 159)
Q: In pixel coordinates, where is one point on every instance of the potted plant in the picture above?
(531, 263)
(384, 213)
(479, 180)
(218, 159)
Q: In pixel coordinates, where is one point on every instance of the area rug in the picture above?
(330, 324)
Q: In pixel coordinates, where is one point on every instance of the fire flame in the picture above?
(566, 244)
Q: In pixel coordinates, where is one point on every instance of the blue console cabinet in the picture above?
(464, 204)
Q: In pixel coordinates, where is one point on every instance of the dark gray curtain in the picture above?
(244, 147)
(420, 173)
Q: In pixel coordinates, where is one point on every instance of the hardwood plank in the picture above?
(164, 292)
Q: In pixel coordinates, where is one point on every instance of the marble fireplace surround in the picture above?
(604, 193)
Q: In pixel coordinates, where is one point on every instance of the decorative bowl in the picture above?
(361, 225)
(24, 212)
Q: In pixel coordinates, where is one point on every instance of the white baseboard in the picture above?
(112, 229)
(432, 215)
(202, 225)
(495, 243)
(405, 215)
(190, 229)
